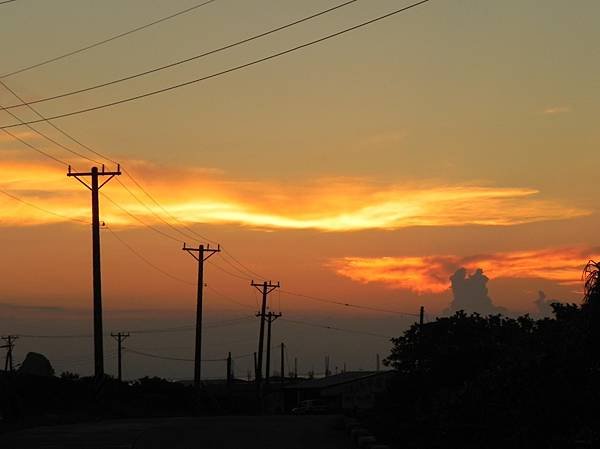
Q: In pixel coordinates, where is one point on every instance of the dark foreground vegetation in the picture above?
(46, 400)
(471, 381)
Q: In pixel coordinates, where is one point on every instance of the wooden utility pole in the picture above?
(201, 254)
(420, 336)
(94, 174)
(269, 318)
(229, 369)
(120, 338)
(295, 367)
(282, 355)
(10, 344)
(265, 288)
(255, 367)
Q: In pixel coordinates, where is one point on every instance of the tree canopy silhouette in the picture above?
(591, 277)
(472, 381)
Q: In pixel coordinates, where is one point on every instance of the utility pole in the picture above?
(10, 344)
(295, 367)
(282, 363)
(229, 371)
(94, 174)
(265, 288)
(327, 366)
(201, 254)
(255, 367)
(269, 318)
(120, 338)
(420, 336)
(377, 363)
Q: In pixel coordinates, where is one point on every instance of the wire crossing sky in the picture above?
(104, 41)
(214, 75)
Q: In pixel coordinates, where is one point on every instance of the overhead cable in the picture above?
(222, 72)
(103, 41)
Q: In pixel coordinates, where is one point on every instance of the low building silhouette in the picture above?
(348, 391)
(37, 365)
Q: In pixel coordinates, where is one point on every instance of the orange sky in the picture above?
(431, 274)
(363, 170)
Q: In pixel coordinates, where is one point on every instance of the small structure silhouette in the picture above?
(37, 365)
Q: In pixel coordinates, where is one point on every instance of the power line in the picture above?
(7, 1)
(166, 273)
(164, 357)
(228, 298)
(145, 191)
(164, 234)
(153, 212)
(129, 247)
(122, 184)
(145, 260)
(77, 141)
(247, 272)
(243, 278)
(114, 234)
(252, 273)
(226, 71)
(27, 203)
(335, 328)
(57, 336)
(34, 148)
(60, 130)
(45, 136)
(217, 324)
(104, 41)
(242, 272)
(346, 304)
(78, 154)
(172, 238)
(139, 220)
(193, 58)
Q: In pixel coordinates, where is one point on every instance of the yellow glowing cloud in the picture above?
(431, 274)
(337, 204)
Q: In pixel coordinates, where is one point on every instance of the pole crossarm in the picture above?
(204, 252)
(260, 286)
(270, 316)
(102, 172)
(120, 336)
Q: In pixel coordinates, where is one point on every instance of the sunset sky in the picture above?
(365, 169)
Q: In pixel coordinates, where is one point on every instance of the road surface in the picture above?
(227, 432)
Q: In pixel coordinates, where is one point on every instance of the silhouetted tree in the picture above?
(591, 277)
(475, 381)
